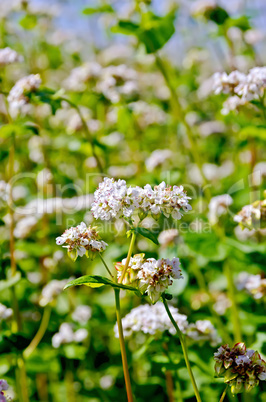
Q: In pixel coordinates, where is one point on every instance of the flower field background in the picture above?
(132, 201)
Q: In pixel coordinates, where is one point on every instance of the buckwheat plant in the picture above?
(144, 276)
(241, 368)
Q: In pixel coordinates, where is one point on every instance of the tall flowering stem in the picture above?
(133, 239)
(122, 346)
(223, 394)
(184, 349)
(40, 333)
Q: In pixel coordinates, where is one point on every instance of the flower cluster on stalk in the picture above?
(114, 199)
(150, 275)
(255, 285)
(9, 56)
(242, 368)
(81, 240)
(252, 216)
(242, 88)
(18, 97)
(67, 335)
(153, 320)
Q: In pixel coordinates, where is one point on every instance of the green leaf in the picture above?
(105, 8)
(10, 282)
(147, 233)
(253, 131)
(7, 130)
(153, 31)
(28, 22)
(95, 281)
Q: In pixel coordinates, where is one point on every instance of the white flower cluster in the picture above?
(255, 285)
(152, 320)
(218, 206)
(18, 96)
(52, 290)
(113, 199)
(117, 81)
(252, 216)
(81, 240)
(147, 114)
(157, 158)
(203, 330)
(82, 314)
(81, 75)
(3, 387)
(9, 56)
(5, 312)
(150, 275)
(67, 335)
(243, 88)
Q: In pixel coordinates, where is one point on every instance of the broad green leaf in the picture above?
(106, 8)
(28, 22)
(95, 281)
(153, 31)
(10, 282)
(147, 233)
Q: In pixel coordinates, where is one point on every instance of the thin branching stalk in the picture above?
(87, 132)
(234, 308)
(184, 349)
(106, 266)
(122, 346)
(133, 239)
(40, 333)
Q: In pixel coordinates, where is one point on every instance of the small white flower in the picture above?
(9, 56)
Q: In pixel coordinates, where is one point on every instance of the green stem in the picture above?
(106, 266)
(133, 239)
(40, 333)
(234, 308)
(184, 349)
(88, 134)
(122, 346)
(223, 394)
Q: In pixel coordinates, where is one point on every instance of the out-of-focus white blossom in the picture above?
(81, 240)
(218, 206)
(253, 36)
(113, 199)
(81, 75)
(168, 237)
(9, 56)
(150, 275)
(157, 158)
(152, 320)
(5, 312)
(52, 290)
(67, 335)
(123, 171)
(211, 127)
(117, 81)
(4, 192)
(252, 216)
(203, 330)
(242, 88)
(148, 114)
(82, 314)
(18, 96)
(255, 285)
